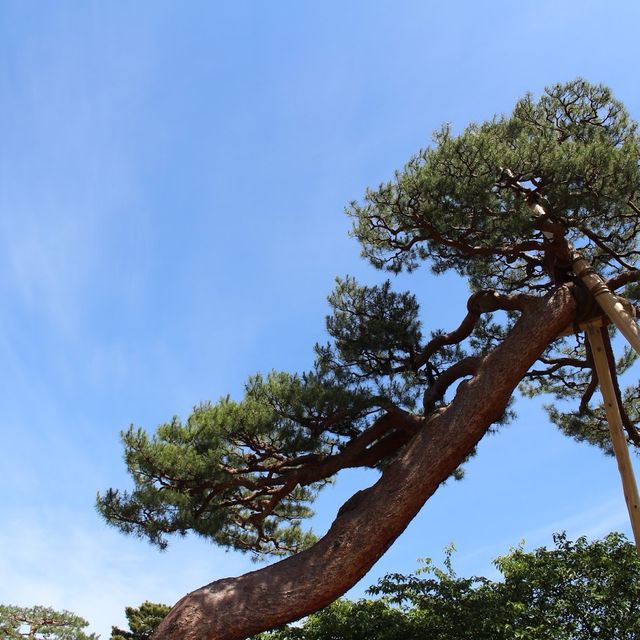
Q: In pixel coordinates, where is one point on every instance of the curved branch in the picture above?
(588, 393)
(478, 303)
(464, 248)
(435, 393)
(555, 364)
(623, 278)
(445, 339)
(356, 450)
(235, 608)
(608, 250)
(489, 300)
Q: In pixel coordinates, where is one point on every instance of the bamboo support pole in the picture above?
(608, 302)
(629, 486)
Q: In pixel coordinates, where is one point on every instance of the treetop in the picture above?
(466, 202)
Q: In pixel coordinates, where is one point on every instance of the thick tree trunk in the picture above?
(235, 608)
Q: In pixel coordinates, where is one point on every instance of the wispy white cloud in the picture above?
(68, 166)
(609, 514)
(56, 559)
(48, 267)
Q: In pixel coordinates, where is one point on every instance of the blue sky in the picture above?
(172, 181)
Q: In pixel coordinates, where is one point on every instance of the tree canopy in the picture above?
(508, 204)
(41, 623)
(142, 621)
(577, 591)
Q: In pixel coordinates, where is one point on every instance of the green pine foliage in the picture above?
(235, 471)
(142, 621)
(41, 623)
(463, 204)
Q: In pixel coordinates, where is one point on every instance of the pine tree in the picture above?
(142, 620)
(41, 623)
(507, 204)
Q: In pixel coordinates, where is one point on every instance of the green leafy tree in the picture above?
(41, 623)
(578, 591)
(142, 621)
(347, 620)
(508, 205)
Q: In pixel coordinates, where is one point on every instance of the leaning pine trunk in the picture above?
(236, 608)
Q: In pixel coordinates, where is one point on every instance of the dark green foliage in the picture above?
(504, 203)
(374, 328)
(568, 376)
(243, 474)
(41, 623)
(347, 620)
(376, 334)
(142, 620)
(187, 475)
(577, 591)
(464, 203)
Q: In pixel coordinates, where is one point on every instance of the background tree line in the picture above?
(575, 591)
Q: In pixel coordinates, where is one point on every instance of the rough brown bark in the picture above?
(235, 608)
